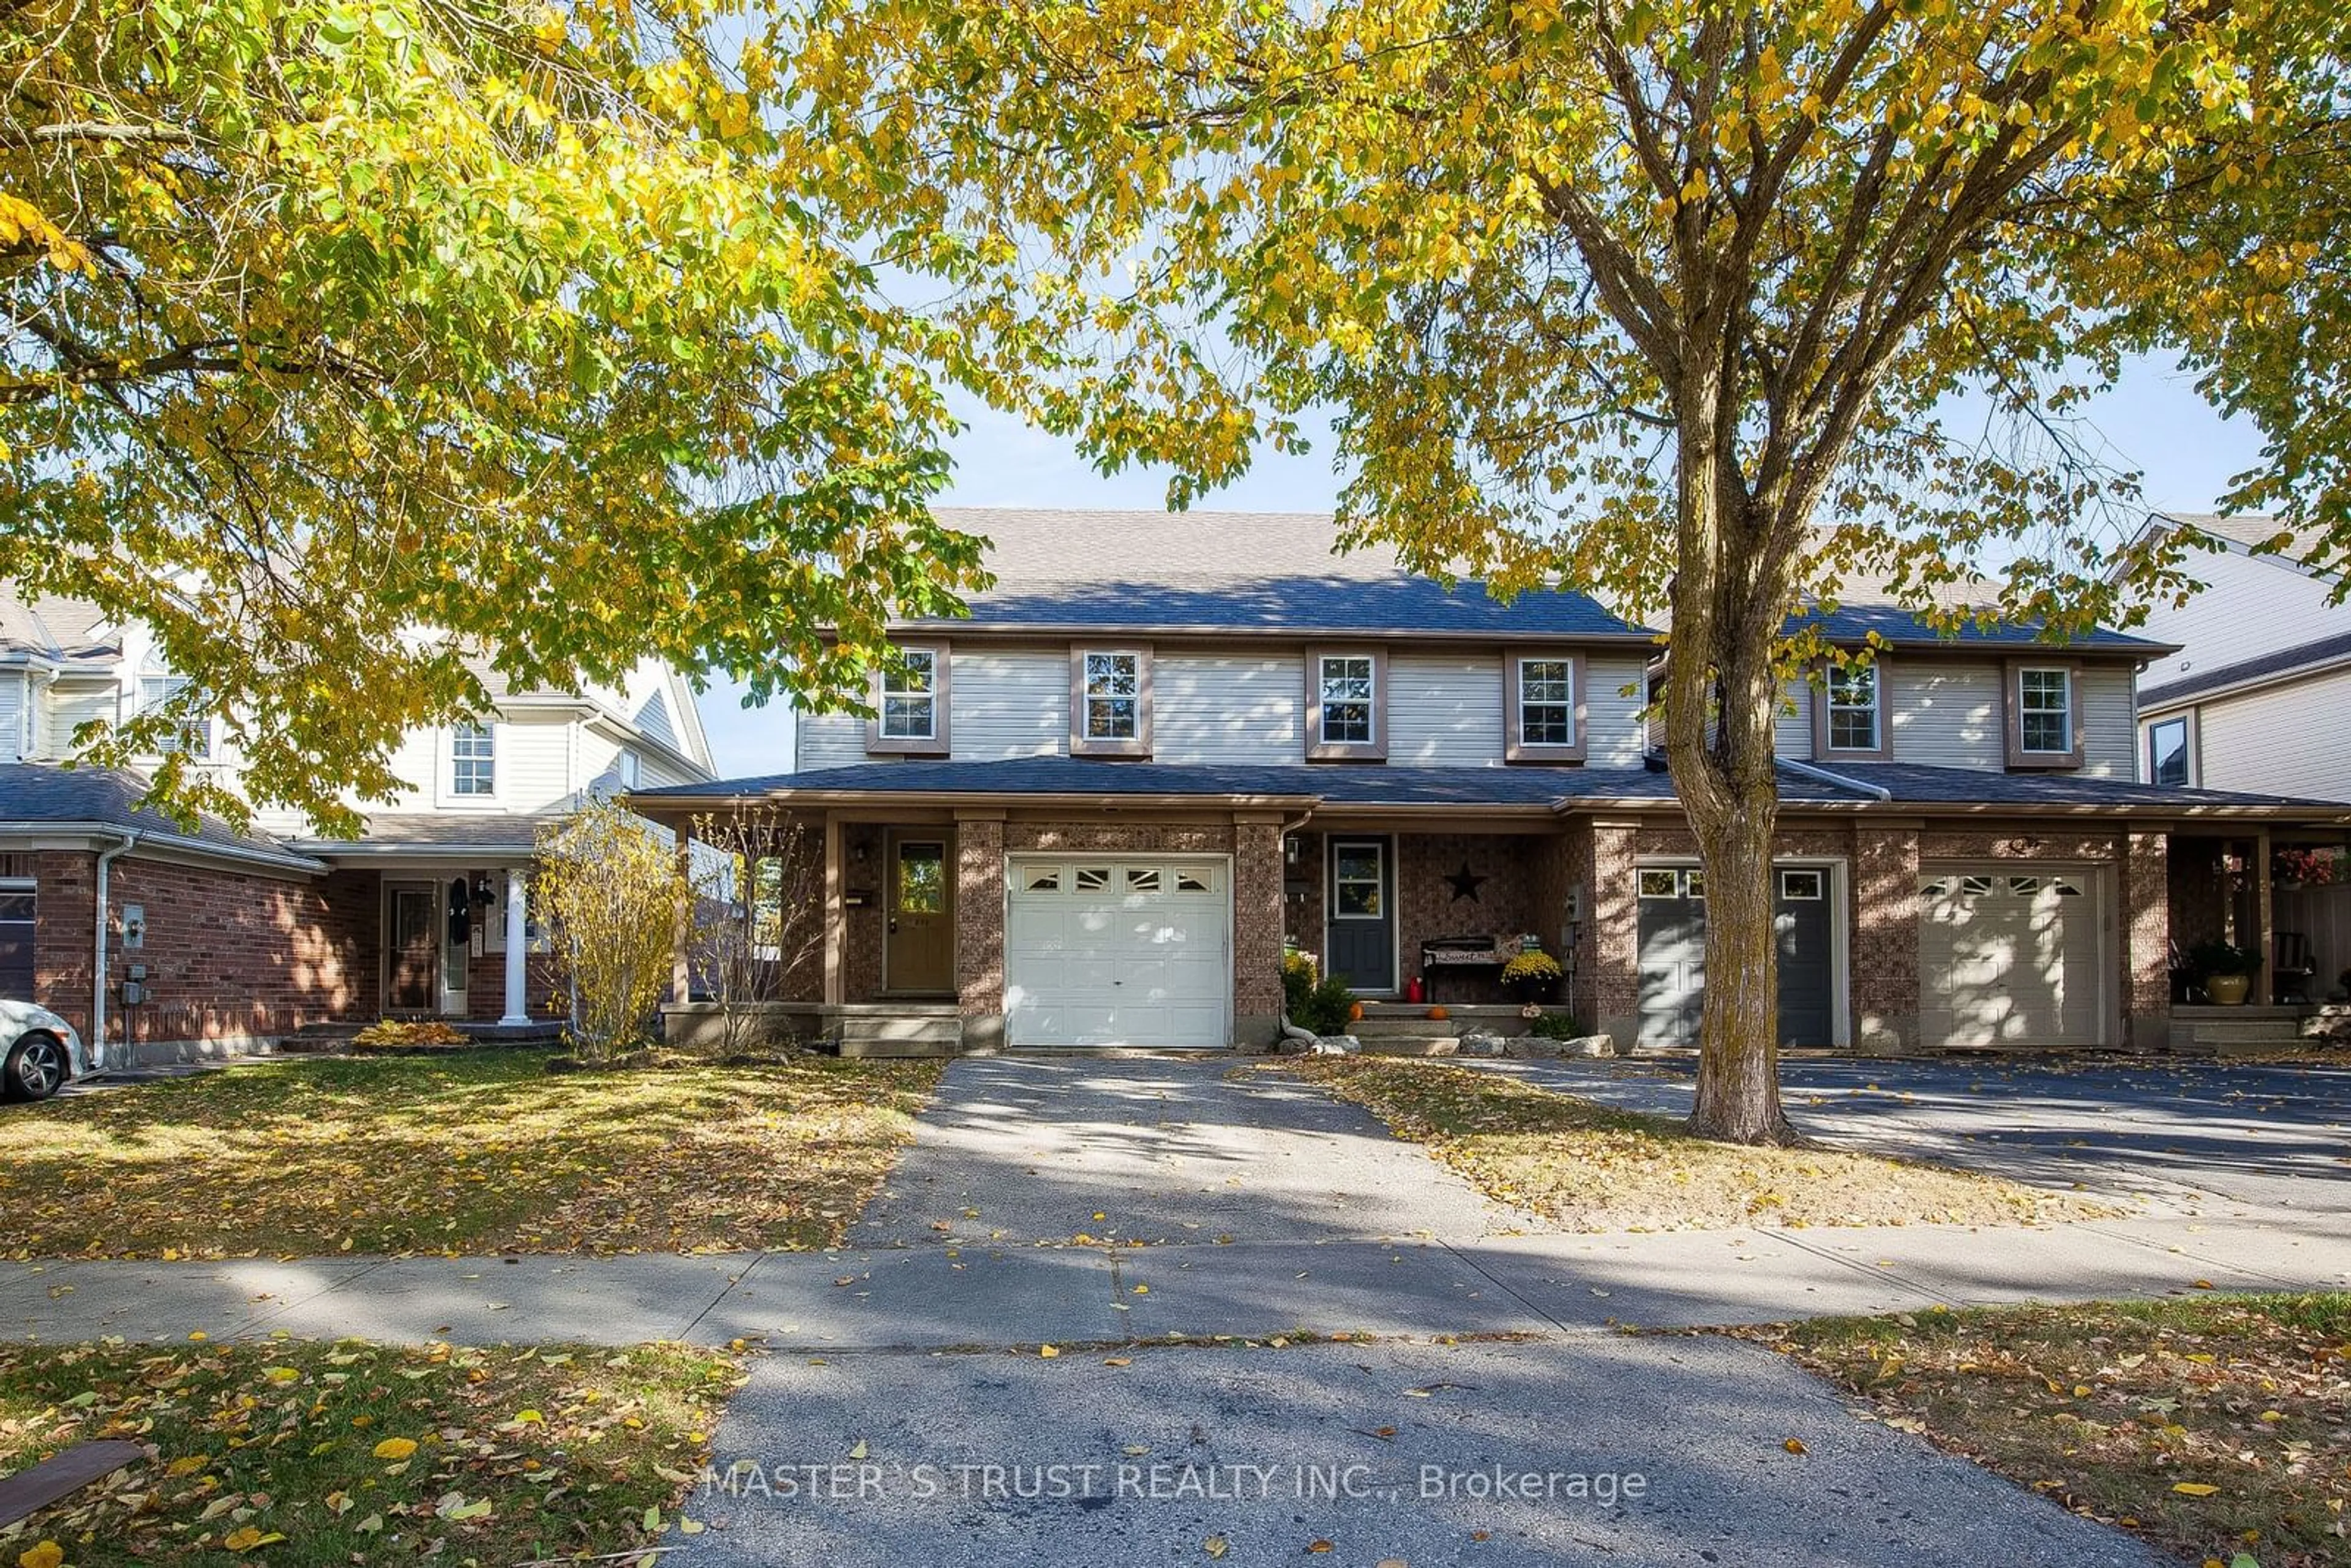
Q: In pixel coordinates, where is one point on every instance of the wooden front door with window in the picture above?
(415, 947)
(918, 947)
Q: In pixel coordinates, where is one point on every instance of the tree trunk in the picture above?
(1739, 1049)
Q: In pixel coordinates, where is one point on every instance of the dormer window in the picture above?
(910, 704)
(2044, 718)
(1346, 705)
(473, 759)
(1543, 703)
(189, 734)
(1110, 702)
(1850, 715)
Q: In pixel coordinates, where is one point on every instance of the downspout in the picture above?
(97, 972)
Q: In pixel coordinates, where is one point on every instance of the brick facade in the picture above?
(1885, 915)
(230, 956)
(979, 927)
(1257, 932)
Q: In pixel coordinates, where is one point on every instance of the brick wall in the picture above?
(2146, 918)
(1885, 973)
(232, 955)
(979, 917)
(1616, 986)
(66, 914)
(1257, 932)
(1505, 904)
(486, 984)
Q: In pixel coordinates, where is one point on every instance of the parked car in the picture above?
(39, 1051)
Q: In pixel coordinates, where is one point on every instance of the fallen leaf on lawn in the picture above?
(49, 1554)
(186, 1465)
(690, 1526)
(1795, 1445)
(395, 1448)
(370, 1525)
(247, 1538)
(2194, 1489)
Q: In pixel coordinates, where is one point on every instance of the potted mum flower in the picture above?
(1532, 977)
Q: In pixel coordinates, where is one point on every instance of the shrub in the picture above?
(613, 897)
(1554, 1026)
(1313, 1003)
(2216, 957)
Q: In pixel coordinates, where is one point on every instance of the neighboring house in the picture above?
(1092, 813)
(2256, 695)
(213, 938)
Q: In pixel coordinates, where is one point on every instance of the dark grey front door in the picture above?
(1800, 917)
(1673, 955)
(1360, 922)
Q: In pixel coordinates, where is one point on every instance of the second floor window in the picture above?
(2044, 711)
(910, 697)
(1114, 697)
(1853, 716)
(1347, 685)
(1547, 702)
(191, 736)
(473, 759)
(2166, 752)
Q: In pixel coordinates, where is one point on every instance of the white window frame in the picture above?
(937, 690)
(1083, 741)
(482, 784)
(1835, 703)
(191, 737)
(1372, 745)
(2186, 750)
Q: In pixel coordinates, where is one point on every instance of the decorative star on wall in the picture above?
(1465, 884)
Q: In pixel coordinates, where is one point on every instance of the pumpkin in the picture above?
(1438, 1013)
(1354, 1011)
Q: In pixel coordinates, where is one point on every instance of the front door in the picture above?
(1360, 932)
(918, 951)
(415, 946)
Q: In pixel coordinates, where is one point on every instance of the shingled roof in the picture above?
(50, 796)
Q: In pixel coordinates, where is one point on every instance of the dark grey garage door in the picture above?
(1673, 955)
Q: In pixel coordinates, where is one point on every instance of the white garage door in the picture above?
(2008, 960)
(1118, 951)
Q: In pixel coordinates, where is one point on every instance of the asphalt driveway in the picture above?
(2196, 1137)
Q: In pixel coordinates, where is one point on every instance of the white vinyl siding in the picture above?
(1233, 708)
(1792, 733)
(2249, 609)
(2286, 740)
(12, 716)
(2108, 708)
(1445, 710)
(829, 740)
(1010, 703)
(1615, 735)
(71, 707)
(1945, 714)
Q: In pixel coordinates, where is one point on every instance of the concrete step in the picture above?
(1415, 1024)
(901, 1030)
(2207, 1031)
(1410, 1045)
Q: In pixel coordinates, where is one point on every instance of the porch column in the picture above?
(1882, 964)
(2264, 942)
(979, 927)
(836, 921)
(2146, 877)
(1616, 947)
(517, 947)
(680, 960)
(1256, 928)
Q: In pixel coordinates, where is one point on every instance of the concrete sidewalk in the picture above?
(960, 1294)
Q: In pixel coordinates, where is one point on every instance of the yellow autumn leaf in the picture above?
(2194, 1489)
(1213, 1546)
(187, 1465)
(395, 1448)
(49, 1554)
(1795, 1445)
(243, 1539)
(1048, 1352)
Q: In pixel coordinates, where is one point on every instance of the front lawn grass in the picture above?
(482, 1152)
(2218, 1427)
(352, 1452)
(1593, 1167)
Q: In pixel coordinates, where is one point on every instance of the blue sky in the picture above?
(2153, 421)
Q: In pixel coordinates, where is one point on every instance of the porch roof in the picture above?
(1879, 786)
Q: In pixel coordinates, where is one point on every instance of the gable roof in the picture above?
(43, 795)
(68, 630)
(2309, 657)
(2254, 533)
(1269, 573)
(1866, 603)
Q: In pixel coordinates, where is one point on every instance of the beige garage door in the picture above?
(2008, 958)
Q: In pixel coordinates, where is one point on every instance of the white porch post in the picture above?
(517, 947)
